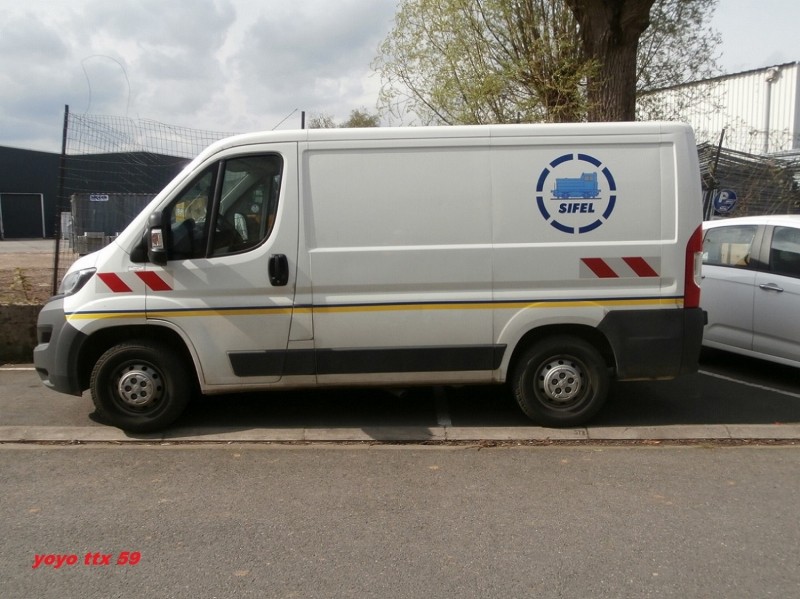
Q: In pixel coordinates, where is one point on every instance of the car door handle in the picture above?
(771, 287)
(278, 270)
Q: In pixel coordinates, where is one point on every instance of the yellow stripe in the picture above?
(511, 305)
(400, 307)
(180, 313)
(212, 312)
(99, 315)
(677, 303)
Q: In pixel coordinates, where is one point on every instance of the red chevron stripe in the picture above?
(153, 281)
(640, 267)
(113, 282)
(599, 267)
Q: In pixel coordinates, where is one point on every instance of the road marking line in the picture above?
(442, 414)
(26, 368)
(763, 387)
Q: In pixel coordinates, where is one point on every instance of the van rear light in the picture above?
(694, 265)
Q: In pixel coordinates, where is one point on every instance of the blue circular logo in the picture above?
(576, 193)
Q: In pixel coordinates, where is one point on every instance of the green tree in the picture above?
(678, 48)
(495, 61)
(320, 120)
(359, 117)
(483, 61)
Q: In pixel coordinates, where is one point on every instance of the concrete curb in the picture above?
(401, 434)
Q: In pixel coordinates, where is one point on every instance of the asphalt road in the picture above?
(380, 521)
(173, 518)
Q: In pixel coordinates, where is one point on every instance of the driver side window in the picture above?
(188, 216)
(229, 208)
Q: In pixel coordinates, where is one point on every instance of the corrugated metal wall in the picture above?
(759, 110)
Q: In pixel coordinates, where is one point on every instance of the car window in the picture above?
(729, 246)
(784, 253)
(248, 203)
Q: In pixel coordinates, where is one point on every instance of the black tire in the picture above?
(140, 386)
(561, 381)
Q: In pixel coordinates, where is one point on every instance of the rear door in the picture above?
(229, 282)
(776, 323)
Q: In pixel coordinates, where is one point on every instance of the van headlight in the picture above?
(74, 281)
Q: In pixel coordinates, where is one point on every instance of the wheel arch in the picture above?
(102, 340)
(585, 332)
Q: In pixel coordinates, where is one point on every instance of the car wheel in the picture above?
(140, 386)
(561, 381)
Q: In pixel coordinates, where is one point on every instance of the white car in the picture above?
(751, 286)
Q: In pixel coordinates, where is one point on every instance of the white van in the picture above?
(554, 257)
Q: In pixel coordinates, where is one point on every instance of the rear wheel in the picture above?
(140, 386)
(561, 381)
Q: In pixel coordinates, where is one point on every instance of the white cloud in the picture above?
(226, 65)
(238, 65)
(302, 59)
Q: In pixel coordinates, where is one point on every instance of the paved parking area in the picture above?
(732, 398)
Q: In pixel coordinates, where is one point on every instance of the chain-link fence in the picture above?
(111, 168)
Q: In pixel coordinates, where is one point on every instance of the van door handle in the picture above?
(278, 270)
(771, 287)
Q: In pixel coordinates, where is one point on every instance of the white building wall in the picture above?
(759, 110)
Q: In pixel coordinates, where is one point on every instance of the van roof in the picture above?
(451, 132)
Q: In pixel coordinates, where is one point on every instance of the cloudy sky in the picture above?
(242, 65)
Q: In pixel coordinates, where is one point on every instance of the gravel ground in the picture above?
(27, 278)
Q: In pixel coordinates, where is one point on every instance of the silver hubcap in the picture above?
(140, 385)
(560, 380)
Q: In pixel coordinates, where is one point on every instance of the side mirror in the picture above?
(156, 245)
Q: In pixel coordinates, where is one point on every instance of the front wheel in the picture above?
(561, 381)
(140, 386)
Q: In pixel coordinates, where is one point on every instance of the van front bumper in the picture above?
(55, 356)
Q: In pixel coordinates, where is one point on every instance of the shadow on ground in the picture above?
(710, 397)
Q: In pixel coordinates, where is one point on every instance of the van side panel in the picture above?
(399, 239)
(468, 248)
(575, 261)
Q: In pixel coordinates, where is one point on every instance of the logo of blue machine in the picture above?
(572, 197)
